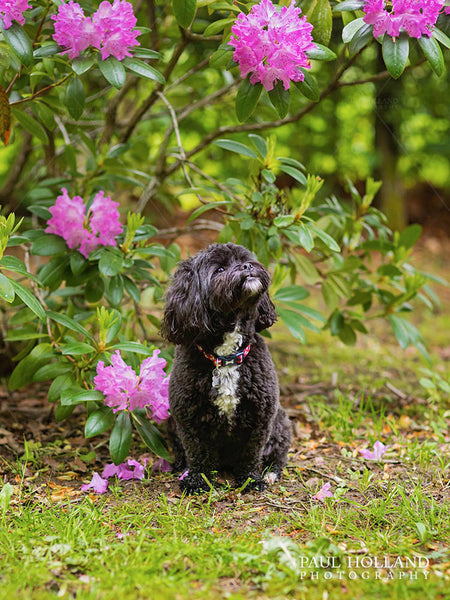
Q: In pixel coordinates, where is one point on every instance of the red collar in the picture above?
(225, 361)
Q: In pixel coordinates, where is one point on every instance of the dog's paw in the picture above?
(193, 483)
(250, 482)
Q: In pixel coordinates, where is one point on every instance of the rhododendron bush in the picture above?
(111, 110)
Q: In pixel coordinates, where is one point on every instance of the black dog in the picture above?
(223, 393)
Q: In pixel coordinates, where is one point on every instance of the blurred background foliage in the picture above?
(396, 131)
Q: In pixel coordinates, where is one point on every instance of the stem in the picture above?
(42, 90)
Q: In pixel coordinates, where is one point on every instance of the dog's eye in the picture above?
(219, 270)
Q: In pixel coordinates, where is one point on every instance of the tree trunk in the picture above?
(387, 144)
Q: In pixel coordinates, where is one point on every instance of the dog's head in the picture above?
(216, 287)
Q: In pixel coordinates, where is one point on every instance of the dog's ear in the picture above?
(266, 313)
(183, 308)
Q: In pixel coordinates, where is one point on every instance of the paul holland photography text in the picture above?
(364, 567)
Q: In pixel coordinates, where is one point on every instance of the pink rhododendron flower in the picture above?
(125, 390)
(98, 484)
(183, 475)
(378, 451)
(116, 21)
(271, 43)
(74, 31)
(110, 29)
(123, 471)
(12, 10)
(416, 17)
(85, 232)
(324, 492)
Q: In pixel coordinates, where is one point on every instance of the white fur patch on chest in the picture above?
(226, 379)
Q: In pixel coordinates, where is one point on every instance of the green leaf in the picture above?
(76, 348)
(94, 289)
(82, 64)
(146, 53)
(27, 367)
(150, 435)
(12, 263)
(184, 11)
(259, 143)
(61, 383)
(76, 395)
(291, 293)
(308, 87)
(283, 221)
(111, 262)
(98, 422)
(306, 269)
(5, 497)
(29, 299)
(237, 147)
(292, 321)
(75, 98)
(62, 412)
(279, 97)
(360, 38)
(349, 5)
(120, 440)
(217, 26)
(351, 28)
(329, 295)
(6, 289)
(326, 238)
(113, 71)
(400, 330)
(441, 37)
(52, 370)
(142, 69)
(132, 289)
(77, 263)
(52, 273)
(30, 124)
(115, 290)
(321, 52)
(69, 323)
(347, 335)
(19, 42)
(294, 173)
(433, 53)
(247, 98)
(305, 237)
(204, 208)
(132, 347)
(318, 13)
(48, 244)
(395, 54)
(46, 49)
(409, 236)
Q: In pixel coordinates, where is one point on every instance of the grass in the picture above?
(384, 534)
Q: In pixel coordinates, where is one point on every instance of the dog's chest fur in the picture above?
(226, 379)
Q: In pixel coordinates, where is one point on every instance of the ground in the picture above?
(383, 534)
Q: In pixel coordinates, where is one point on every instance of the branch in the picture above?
(42, 90)
(266, 124)
(140, 112)
(16, 170)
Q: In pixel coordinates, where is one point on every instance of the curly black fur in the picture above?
(221, 290)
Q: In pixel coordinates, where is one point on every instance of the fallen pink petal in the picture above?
(379, 450)
(324, 492)
(97, 484)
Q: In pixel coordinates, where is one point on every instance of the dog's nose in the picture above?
(246, 267)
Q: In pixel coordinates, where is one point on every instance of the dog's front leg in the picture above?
(201, 461)
(249, 462)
